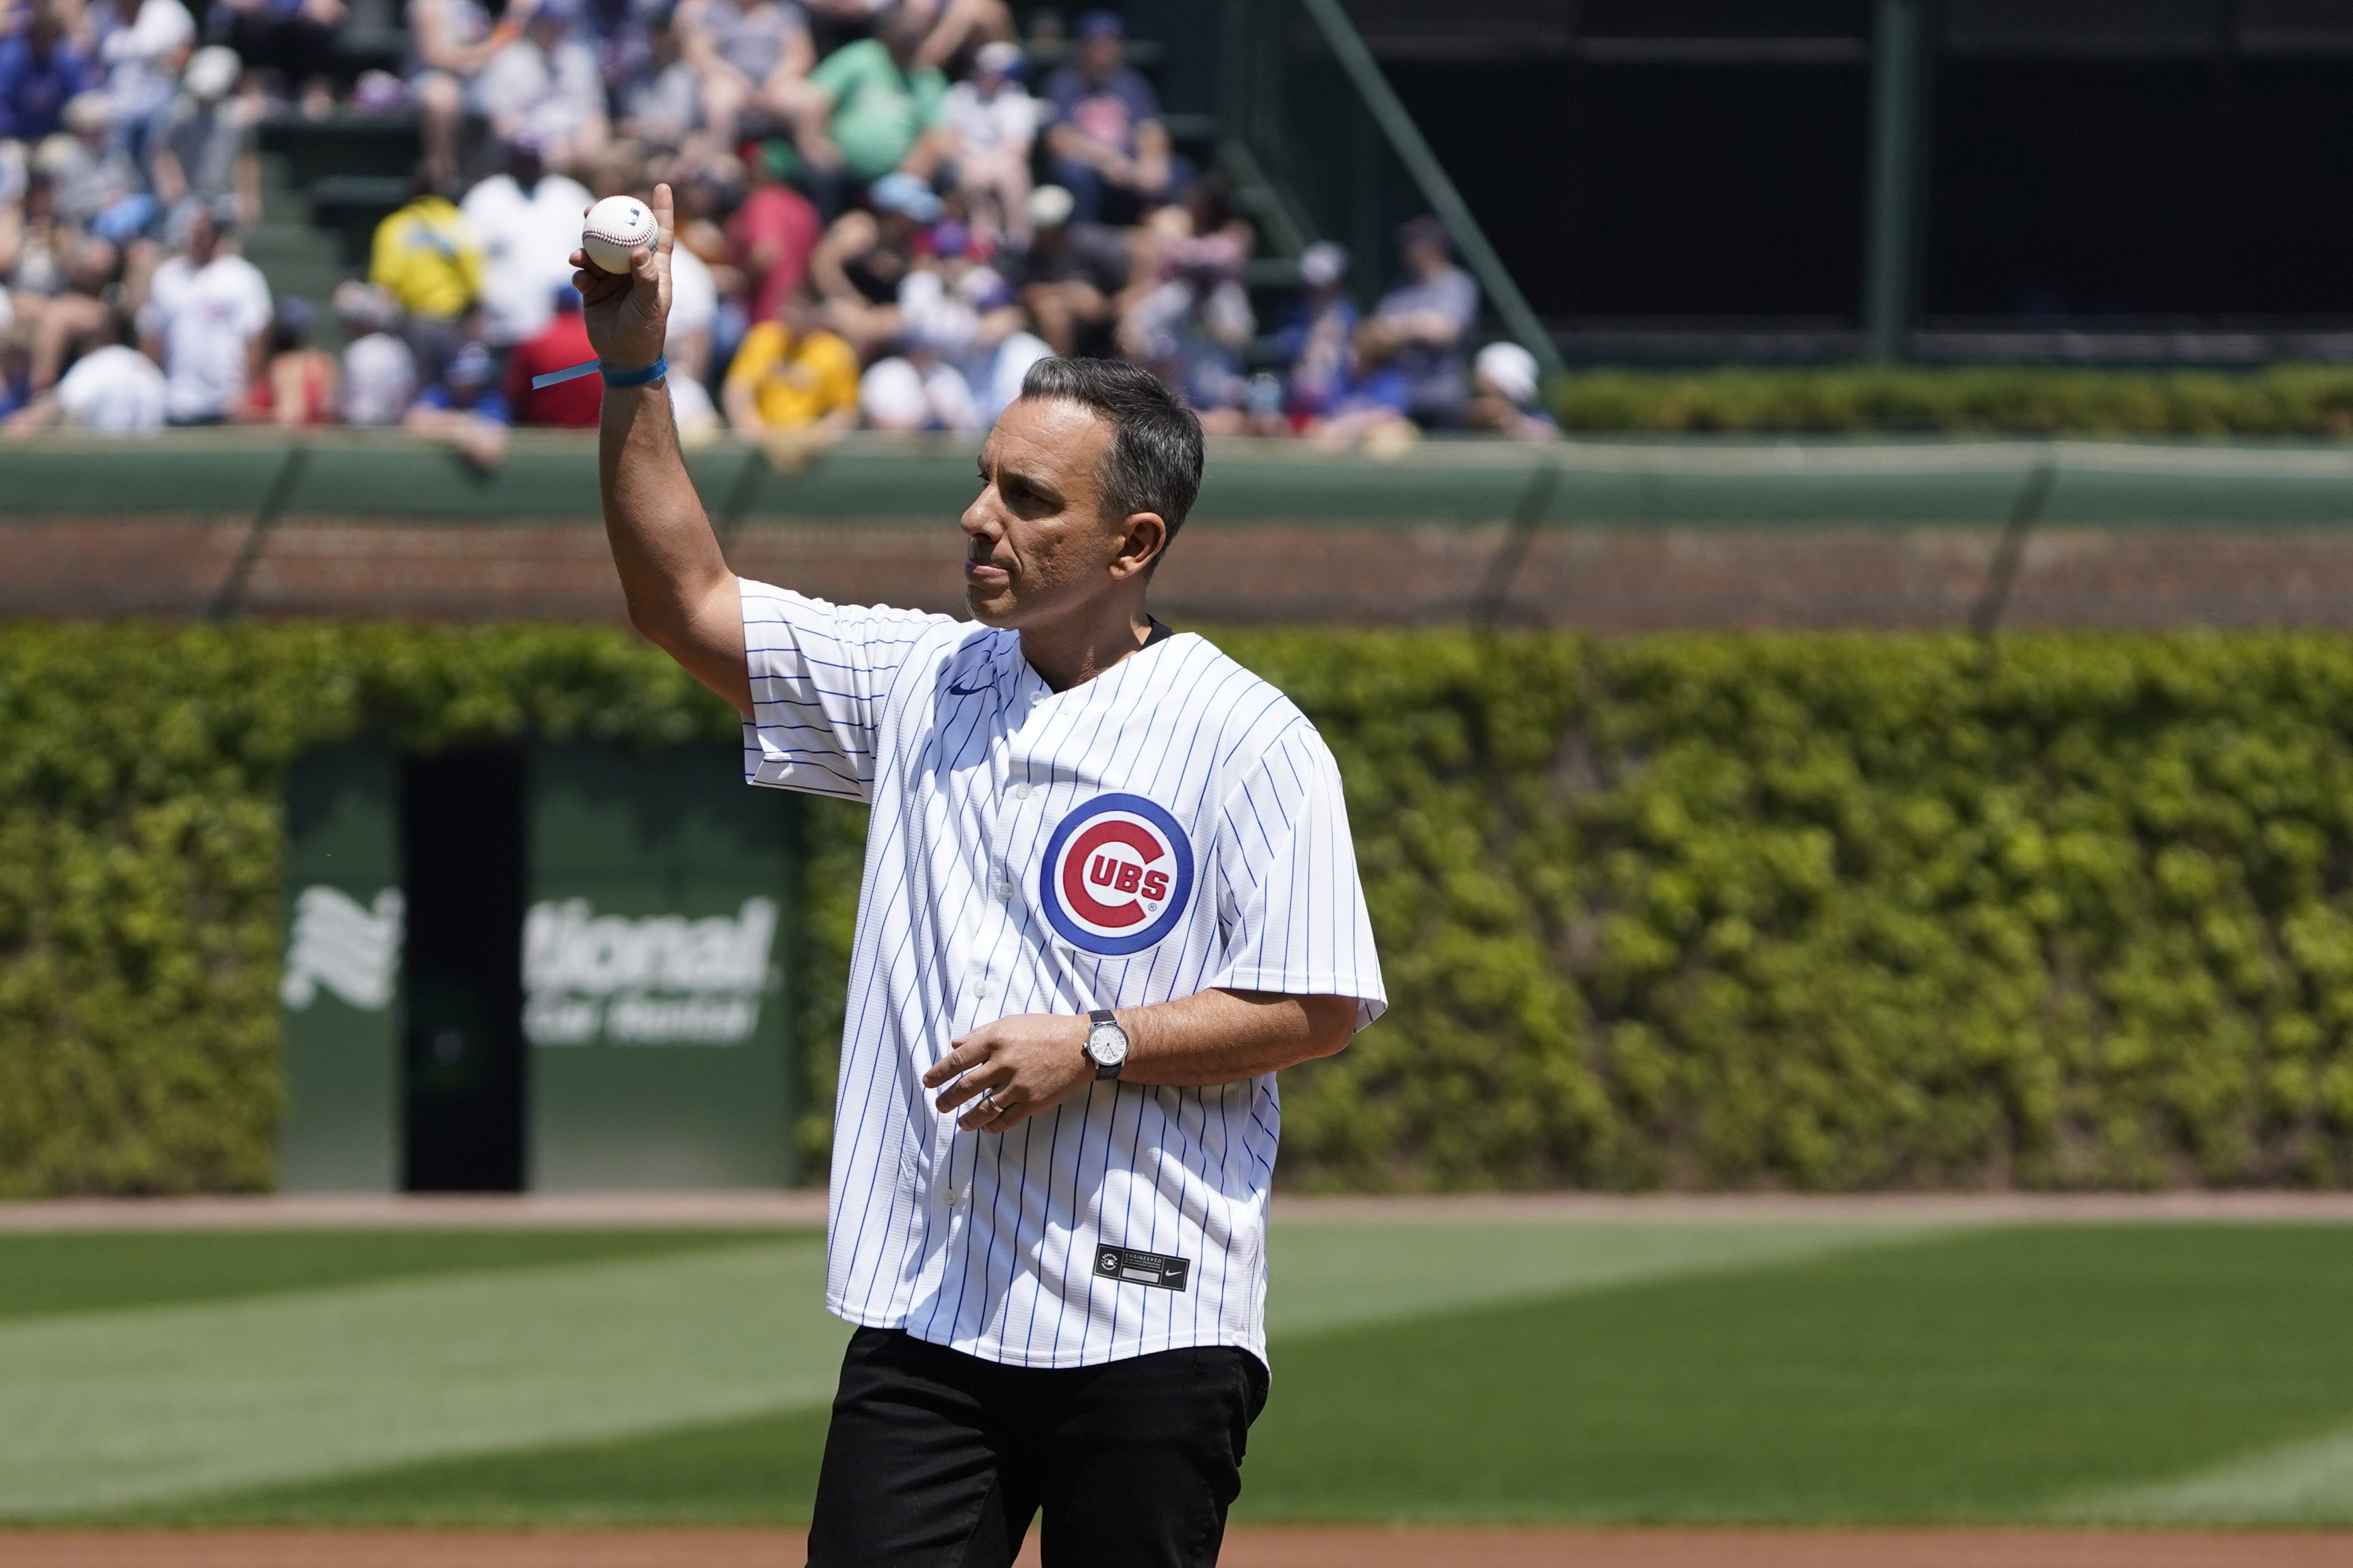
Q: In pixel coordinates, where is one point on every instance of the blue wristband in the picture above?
(654, 371)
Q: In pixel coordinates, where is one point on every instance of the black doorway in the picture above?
(462, 1061)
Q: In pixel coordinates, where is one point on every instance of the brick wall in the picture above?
(1590, 577)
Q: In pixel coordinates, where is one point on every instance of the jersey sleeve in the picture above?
(1291, 913)
(819, 674)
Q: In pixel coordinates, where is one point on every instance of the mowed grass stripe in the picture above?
(2301, 1484)
(118, 1407)
(50, 1274)
(763, 1469)
(753, 1470)
(1330, 1275)
(1982, 1377)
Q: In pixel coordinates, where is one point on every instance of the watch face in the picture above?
(1107, 1042)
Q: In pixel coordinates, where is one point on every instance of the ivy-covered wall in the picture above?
(1828, 911)
(2277, 400)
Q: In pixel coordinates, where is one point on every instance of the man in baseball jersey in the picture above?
(1109, 891)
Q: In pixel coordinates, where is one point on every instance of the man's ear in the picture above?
(1146, 537)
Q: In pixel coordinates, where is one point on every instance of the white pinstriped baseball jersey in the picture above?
(1174, 824)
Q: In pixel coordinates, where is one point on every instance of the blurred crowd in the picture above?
(886, 213)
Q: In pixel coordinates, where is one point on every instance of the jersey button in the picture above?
(981, 990)
(948, 1196)
(1005, 892)
(1021, 791)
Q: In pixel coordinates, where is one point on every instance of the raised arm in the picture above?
(680, 593)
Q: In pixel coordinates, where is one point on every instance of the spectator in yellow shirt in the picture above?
(792, 374)
(426, 257)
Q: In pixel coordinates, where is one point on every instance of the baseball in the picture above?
(614, 230)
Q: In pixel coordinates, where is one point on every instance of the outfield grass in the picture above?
(1774, 1372)
(43, 1274)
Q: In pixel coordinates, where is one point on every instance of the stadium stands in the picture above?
(947, 188)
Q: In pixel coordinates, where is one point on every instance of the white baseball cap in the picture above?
(212, 71)
(1050, 207)
(1509, 369)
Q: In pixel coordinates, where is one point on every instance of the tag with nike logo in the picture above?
(1130, 1267)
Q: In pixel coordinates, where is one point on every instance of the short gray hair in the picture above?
(1154, 461)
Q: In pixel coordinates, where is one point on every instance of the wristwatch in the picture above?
(1107, 1043)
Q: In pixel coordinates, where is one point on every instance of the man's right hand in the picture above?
(627, 314)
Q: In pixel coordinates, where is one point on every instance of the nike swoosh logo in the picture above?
(955, 690)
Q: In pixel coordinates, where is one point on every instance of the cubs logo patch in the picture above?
(1117, 874)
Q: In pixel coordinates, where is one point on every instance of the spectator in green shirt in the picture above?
(873, 110)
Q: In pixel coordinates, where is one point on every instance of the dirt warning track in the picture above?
(1275, 1548)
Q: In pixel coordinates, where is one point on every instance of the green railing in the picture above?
(1322, 149)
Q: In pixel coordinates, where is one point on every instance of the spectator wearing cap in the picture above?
(1421, 324)
(526, 220)
(462, 406)
(207, 310)
(958, 311)
(111, 387)
(992, 123)
(866, 254)
(1071, 276)
(559, 345)
(140, 46)
(205, 156)
(753, 57)
(1317, 343)
(450, 43)
(876, 109)
(547, 86)
(426, 254)
(1109, 148)
(41, 68)
(773, 232)
(300, 383)
(379, 368)
(792, 374)
(1505, 394)
(293, 40)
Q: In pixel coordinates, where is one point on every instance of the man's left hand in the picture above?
(1027, 1063)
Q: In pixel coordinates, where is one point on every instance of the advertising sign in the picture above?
(340, 991)
(654, 966)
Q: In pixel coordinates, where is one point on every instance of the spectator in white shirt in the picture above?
(142, 45)
(547, 85)
(379, 368)
(204, 321)
(527, 221)
(111, 388)
(992, 122)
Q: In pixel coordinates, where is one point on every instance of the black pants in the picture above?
(938, 1459)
